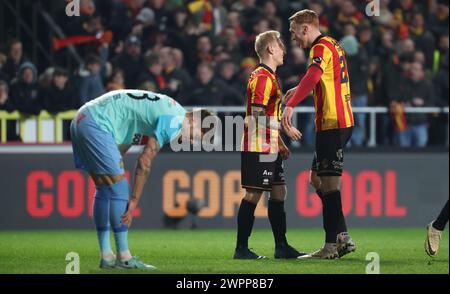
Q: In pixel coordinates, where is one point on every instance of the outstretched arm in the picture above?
(306, 85)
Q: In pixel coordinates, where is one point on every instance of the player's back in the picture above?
(332, 93)
(132, 115)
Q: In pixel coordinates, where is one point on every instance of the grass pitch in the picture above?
(211, 251)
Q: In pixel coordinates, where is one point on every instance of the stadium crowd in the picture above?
(202, 52)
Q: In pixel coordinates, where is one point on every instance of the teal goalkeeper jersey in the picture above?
(132, 116)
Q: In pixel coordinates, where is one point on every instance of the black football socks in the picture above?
(442, 220)
(332, 212)
(245, 219)
(277, 218)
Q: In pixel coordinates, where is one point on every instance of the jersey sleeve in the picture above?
(320, 56)
(167, 128)
(261, 87)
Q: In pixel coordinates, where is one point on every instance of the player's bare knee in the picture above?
(330, 184)
(253, 195)
(278, 193)
(315, 181)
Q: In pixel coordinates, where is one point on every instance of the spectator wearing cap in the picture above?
(91, 81)
(131, 61)
(15, 59)
(24, 90)
(7, 105)
(145, 27)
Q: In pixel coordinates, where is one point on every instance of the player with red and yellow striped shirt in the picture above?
(263, 151)
(328, 78)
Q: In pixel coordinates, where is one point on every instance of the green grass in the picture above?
(210, 251)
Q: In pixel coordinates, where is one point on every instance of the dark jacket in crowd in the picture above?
(422, 89)
(215, 92)
(25, 96)
(358, 70)
(57, 100)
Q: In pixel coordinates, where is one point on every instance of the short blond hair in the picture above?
(305, 16)
(264, 39)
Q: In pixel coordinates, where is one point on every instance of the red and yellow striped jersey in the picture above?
(264, 90)
(332, 93)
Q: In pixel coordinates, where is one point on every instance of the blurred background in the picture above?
(201, 53)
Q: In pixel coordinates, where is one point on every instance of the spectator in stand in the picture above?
(60, 95)
(358, 70)
(230, 44)
(234, 20)
(324, 22)
(202, 54)
(348, 14)
(208, 90)
(15, 59)
(219, 17)
(417, 92)
(24, 90)
(290, 74)
(178, 80)
(440, 122)
(7, 105)
(270, 13)
(91, 81)
(3, 75)
(154, 73)
(116, 81)
(438, 20)
(423, 38)
(131, 61)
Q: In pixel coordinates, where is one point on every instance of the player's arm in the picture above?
(141, 173)
(306, 86)
(283, 149)
(143, 167)
(320, 58)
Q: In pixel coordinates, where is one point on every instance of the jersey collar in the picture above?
(266, 67)
(317, 39)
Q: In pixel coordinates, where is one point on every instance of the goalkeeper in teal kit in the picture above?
(102, 131)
